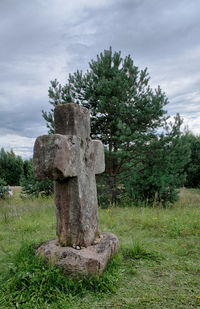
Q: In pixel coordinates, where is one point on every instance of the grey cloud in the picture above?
(151, 29)
(43, 40)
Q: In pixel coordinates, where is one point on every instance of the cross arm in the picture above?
(56, 156)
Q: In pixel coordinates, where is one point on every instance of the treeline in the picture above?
(16, 172)
(11, 167)
(157, 173)
(192, 168)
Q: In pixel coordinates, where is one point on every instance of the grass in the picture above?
(157, 266)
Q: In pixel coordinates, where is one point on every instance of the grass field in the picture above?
(159, 257)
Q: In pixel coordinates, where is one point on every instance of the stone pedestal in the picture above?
(79, 262)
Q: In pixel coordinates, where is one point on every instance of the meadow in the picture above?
(158, 265)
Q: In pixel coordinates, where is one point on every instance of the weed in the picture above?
(31, 280)
(137, 251)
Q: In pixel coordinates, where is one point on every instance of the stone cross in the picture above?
(71, 159)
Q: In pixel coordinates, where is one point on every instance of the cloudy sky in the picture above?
(46, 39)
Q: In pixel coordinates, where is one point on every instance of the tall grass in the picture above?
(159, 255)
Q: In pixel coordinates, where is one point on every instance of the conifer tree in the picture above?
(192, 168)
(32, 187)
(11, 167)
(126, 113)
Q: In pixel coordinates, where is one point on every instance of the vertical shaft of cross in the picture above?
(71, 159)
(68, 227)
(76, 204)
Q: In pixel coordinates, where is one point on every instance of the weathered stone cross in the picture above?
(72, 159)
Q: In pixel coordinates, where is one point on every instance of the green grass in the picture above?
(157, 267)
(31, 282)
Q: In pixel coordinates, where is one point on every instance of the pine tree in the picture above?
(192, 168)
(32, 187)
(11, 167)
(157, 177)
(126, 113)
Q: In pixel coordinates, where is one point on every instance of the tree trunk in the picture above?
(113, 189)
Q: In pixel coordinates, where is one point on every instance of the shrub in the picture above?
(3, 189)
(32, 187)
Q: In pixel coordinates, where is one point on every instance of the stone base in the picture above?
(88, 261)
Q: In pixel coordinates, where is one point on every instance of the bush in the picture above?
(32, 187)
(3, 189)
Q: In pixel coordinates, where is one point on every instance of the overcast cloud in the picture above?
(42, 40)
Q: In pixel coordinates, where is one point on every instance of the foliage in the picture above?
(156, 178)
(126, 115)
(32, 187)
(11, 167)
(192, 168)
(3, 189)
(31, 280)
(137, 251)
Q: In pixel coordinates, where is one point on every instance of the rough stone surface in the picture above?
(72, 119)
(86, 261)
(72, 159)
(56, 156)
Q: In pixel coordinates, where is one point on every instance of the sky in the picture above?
(46, 39)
